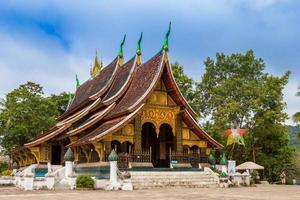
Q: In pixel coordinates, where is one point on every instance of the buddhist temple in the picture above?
(133, 107)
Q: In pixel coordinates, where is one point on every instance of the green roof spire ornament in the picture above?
(223, 160)
(166, 41)
(121, 59)
(138, 50)
(113, 156)
(211, 159)
(77, 82)
(138, 47)
(121, 47)
(69, 156)
(69, 99)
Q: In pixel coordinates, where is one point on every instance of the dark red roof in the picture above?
(107, 127)
(92, 88)
(121, 81)
(142, 84)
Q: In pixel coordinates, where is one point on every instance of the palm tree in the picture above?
(296, 116)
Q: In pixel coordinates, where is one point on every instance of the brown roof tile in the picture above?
(143, 82)
(92, 88)
(106, 128)
(121, 81)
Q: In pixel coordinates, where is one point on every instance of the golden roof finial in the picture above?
(96, 67)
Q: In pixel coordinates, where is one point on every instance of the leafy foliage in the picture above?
(236, 92)
(185, 83)
(3, 166)
(84, 181)
(296, 116)
(26, 113)
(6, 172)
(61, 101)
(294, 132)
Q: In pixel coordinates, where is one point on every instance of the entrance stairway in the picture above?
(187, 179)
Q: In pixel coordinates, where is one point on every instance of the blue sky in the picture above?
(50, 41)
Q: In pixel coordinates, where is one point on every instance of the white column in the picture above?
(113, 172)
(68, 168)
(49, 167)
(28, 182)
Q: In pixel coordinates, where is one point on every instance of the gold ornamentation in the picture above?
(123, 138)
(128, 129)
(99, 148)
(96, 67)
(193, 136)
(158, 98)
(185, 133)
(87, 152)
(202, 144)
(44, 154)
(160, 115)
(208, 151)
(36, 152)
(198, 143)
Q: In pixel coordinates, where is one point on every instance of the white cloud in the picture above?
(39, 59)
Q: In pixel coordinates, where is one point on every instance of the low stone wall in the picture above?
(99, 170)
(6, 180)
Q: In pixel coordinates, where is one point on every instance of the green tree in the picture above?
(25, 114)
(61, 101)
(185, 84)
(296, 116)
(235, 91)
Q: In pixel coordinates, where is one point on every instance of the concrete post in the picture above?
(49, 167)
(113, 172)
(28, 182)
(50, 181)
(113, 161)
(68, 168)
(69, 158)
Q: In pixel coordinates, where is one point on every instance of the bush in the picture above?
(84, 181)
(6, 172)
(3, 166)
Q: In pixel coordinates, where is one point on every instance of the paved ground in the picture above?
(274, 192)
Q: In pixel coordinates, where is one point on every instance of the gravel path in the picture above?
(265, 192)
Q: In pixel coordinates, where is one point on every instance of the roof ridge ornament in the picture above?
(138, 50)
(121, 60)
(166, 40)
(96, 67)
(138, 47)
(77, 82)
(69, 100)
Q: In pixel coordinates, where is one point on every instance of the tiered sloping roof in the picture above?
(113, 98)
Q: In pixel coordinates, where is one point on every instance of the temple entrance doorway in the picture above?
(150, 142)
(116, 145)
(55, 155)
(166, 145)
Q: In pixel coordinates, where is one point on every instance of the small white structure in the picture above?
(249, 166)
(69, 158)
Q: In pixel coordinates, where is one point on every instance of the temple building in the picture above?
(133, 107)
